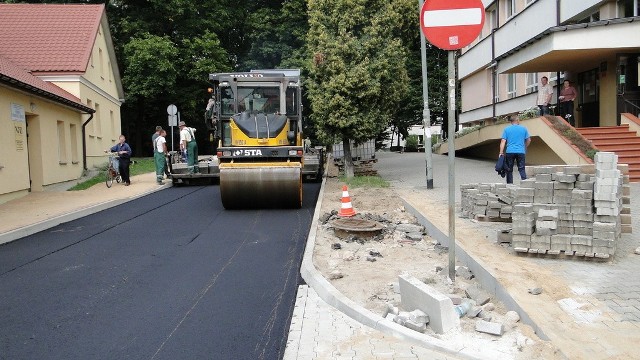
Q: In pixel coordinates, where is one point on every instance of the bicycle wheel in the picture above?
(109, 181)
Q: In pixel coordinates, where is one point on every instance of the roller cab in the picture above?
(260, 151)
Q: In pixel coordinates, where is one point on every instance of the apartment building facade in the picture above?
(594, 44)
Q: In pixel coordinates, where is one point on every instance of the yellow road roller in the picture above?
(256, 117)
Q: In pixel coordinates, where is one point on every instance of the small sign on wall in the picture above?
(19, 122)
(20, 135)
(17, 112)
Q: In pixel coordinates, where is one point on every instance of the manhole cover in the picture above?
(356, 225)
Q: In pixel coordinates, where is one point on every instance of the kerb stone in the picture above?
(417, 295)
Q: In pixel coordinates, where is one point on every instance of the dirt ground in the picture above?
(371, 283)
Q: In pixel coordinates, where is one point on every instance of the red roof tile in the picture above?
(49, 37)
(13, 75)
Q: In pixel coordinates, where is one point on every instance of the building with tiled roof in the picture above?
(59, 83)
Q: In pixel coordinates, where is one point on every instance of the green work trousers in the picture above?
(192, 157)
(158, 158)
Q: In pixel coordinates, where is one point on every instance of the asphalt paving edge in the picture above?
(335, 298)
(19, 233)
(486, 279)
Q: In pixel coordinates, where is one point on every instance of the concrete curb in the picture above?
(335, 298)
(479, 270)
(19, 233)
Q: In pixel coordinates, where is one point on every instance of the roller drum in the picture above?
(252, 187)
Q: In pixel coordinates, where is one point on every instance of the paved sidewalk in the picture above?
(319, 331)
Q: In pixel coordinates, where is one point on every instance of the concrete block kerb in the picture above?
(415, 294)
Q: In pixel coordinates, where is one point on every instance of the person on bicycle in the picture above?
(124, 158)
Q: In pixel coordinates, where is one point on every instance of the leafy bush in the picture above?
(530, 113)
(573, 136)
(411, 144)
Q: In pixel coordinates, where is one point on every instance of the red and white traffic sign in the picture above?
(451, 25)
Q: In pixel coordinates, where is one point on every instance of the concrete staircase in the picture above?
(619, 140)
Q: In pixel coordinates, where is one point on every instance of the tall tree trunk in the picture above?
(348, 160)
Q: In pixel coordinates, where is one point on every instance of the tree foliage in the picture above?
(358, 74)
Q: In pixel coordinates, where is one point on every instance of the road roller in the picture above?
(256, 117)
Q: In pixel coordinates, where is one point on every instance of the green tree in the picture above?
(358, 74)
(189, 28)
(411, 106)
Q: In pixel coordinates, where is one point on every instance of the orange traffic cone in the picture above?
(346, 209)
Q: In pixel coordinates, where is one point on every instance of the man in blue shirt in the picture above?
(517, 139)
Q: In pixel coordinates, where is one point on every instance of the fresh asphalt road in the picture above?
(171, 275)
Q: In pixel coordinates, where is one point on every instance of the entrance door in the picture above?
(589, 95)
(34, 146)
(628, 77)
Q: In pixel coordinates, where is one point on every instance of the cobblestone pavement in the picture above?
(319, 331)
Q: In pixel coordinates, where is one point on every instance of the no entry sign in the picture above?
(451, 25)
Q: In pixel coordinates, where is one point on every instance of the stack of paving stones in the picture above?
(577, 210)
(487, 201)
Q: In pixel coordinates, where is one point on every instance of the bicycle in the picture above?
(112, 170)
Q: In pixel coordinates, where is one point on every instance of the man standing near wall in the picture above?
(516, 139)
(545, 91)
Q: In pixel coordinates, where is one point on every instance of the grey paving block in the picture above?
(582, 194)
(547, 215)
(607, 173)
(572, 170)
(543, 185)
(604, 226)
(489, 327)
(582, 210)
(581, 240)
(584, 185)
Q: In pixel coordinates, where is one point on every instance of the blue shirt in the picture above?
(122, 147)
(515, 136)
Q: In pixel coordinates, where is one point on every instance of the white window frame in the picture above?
(531, 83)
(510, 8)
(511, 86)
(636, 8)
(492, 18)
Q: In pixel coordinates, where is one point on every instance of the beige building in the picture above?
(593, 43)
(60, 94)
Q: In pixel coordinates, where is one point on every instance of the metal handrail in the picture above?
(630, 102)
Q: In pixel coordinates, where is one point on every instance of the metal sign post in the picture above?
(452, 165)
(172, 110)
(426, 112)
(452, 25)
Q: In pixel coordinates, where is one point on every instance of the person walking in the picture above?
(159, 153)
(515, 140)
(567, 95)
(545, 91)
(124, 158)
(188, 143)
